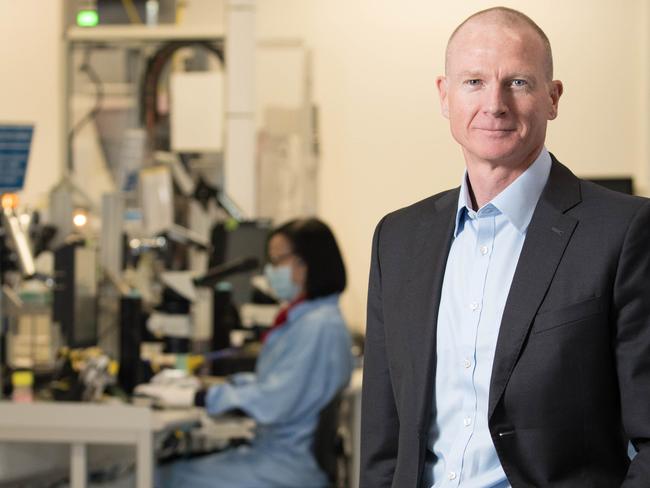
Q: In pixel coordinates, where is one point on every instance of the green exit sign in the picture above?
(87, 18)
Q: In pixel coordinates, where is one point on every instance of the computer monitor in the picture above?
(15, 145)
(247, 239)
(623, 185)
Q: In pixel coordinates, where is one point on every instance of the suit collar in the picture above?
(563, 188)
(548, 235)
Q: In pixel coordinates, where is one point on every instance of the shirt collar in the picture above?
(517, 201)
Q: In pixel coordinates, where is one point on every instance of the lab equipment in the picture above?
(75, 293)
(132, 369)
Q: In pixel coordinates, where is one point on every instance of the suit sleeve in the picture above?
(379, 420)
(632, 343)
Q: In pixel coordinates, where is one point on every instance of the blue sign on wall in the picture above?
(15, 143)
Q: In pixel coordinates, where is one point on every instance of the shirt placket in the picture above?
(483, 227)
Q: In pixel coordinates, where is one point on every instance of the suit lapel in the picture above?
(548, 234)
(432, 242)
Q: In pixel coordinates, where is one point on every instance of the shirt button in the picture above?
(467, 363)
(467, 421)
(474, 306)
(484, 250)
(451, 475)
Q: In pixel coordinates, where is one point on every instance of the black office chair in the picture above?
(328, 445)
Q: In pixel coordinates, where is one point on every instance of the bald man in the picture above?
(508, 334)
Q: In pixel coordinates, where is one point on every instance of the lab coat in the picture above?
(302, 365)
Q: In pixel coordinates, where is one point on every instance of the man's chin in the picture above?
(496, 155)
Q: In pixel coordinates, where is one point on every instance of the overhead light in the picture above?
(87, 17)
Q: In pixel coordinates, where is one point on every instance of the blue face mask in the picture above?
(279, 278)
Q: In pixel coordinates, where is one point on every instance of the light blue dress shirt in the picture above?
(302, 365)
(478, 275)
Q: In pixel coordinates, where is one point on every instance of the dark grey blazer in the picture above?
(571, 376)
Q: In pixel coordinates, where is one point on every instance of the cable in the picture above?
(131, 12)
(99, 98)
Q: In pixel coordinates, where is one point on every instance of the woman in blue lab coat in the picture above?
(304, 362)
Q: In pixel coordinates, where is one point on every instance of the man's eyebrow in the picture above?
(514, 75)
(522, 74)
(470, 74)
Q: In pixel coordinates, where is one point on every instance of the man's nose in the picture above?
(495, 102)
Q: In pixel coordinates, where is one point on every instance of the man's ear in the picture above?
(441, 83)
(555, 92)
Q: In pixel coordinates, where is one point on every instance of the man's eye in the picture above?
(519, 83)
(474, 82)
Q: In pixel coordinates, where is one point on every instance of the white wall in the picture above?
(31, 84)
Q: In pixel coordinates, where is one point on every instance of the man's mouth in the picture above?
(497, 129)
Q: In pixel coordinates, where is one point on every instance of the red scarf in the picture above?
(282, 316)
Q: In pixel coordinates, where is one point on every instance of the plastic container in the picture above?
(23, 386)
(151, 8)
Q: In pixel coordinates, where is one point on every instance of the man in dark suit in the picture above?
(508, 334)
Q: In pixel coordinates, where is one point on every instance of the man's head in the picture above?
(497, 91)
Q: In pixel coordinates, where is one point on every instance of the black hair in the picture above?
(314, 243)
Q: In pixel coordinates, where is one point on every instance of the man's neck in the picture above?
(486, 179)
